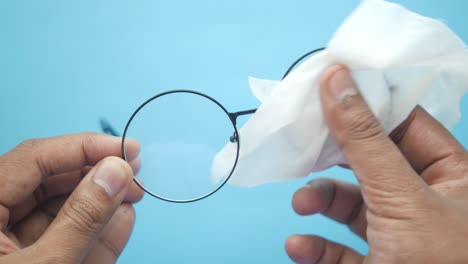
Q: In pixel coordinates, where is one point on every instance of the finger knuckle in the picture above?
(29, 144)
(30, 150)
(90, 138)
(84, 216)
(363, 126)
(88, 141)
(90, 144)
(113, 249)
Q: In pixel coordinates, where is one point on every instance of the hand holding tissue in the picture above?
(398, 59)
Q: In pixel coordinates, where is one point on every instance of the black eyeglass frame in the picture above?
(108, 129)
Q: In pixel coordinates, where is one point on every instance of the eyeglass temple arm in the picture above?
(107, 128)
(234, 116)
(300, 59)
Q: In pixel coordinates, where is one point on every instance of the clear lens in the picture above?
(180, 134)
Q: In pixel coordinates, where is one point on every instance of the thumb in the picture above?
(383, 172)
(87, 211)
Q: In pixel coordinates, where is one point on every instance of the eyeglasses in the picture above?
(181, 132)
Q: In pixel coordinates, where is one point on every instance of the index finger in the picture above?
(384, 173)
(429, 147)
(23, 168)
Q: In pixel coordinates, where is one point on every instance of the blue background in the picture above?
(64, 64)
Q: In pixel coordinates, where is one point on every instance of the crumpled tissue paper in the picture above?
(399, 59)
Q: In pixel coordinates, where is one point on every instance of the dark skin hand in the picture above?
(61, 198)
(412, 202)
(67, 200)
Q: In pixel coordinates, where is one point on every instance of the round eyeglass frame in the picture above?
(234, 139)
(229, 116)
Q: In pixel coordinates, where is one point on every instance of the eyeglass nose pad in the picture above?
(234, 138)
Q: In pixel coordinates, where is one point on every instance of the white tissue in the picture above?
(398, 59)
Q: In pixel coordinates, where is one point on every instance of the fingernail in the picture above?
(314, 183)
(110, 175)
(342, 85)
